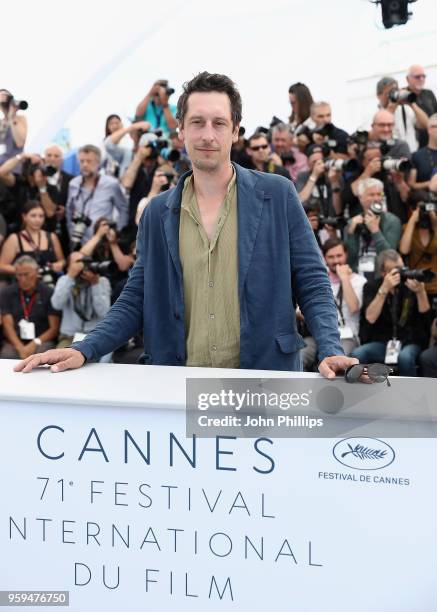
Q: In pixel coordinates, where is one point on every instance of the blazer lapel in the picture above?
(250, 202)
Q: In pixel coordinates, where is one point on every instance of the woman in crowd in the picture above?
(300, 100)
(34, 241)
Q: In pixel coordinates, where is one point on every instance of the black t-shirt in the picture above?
(340, 136)
(424, 161)
(10, 303)
(412, 326)
(426, 100)
(140, 189)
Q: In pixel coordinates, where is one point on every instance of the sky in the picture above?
(76, 68)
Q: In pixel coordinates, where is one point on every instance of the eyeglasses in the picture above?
(258, 147)
(375, 372)
(418, 76)
(384, 125)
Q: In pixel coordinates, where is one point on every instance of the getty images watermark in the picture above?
(308, 407)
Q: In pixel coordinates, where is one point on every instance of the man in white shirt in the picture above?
(347, 287)
(408, 115)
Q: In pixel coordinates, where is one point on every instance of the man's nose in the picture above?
(208, 131)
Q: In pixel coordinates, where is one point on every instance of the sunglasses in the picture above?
(258, 147)
(418, 76)
(375, 372)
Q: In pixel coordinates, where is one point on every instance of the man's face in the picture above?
(27, 277)
(281, 142)
(391, 265)
(316, 156)
(321, 115)
(370, 196)
(383, 127)
(89, 164)
(53, 157)
(370, 154)
(207, 131)
(416, 78)
(335, 257)
(383, 97)
(259, 149)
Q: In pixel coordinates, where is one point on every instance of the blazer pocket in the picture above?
(290, 343)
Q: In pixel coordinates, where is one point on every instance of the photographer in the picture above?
(163, 179)
(30, 324)
(30, 184)
(419, 240)
(44, 247)
(156, 109)
(284, 153)
(319, 184)
(347, 288)
(396, 317)
(138, 177)
(372, 231)
(326, 132)
(84, 298)
(258, 149)
(92, 196)
(104, 246)
(118, 157)
(13, 127)
(425, 159)
(425, 98)
(300, 101)
(403, 106)
(396, 190)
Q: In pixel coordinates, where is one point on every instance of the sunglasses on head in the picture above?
(375, 372)
(258, 147)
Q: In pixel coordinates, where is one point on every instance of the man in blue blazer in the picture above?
(222, 261)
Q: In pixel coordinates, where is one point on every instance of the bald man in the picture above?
(382, 129)
(426, 99)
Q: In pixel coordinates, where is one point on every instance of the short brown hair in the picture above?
(207, 82)
(89, 148)
(331, 243)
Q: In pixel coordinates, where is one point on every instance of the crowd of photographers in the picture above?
(68, 227)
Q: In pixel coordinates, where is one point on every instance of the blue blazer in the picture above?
(279, 265)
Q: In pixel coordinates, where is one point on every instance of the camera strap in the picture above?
(27, 303)
(158, 116)
(404, 117)
(87, 199)
(339, 303)
(35, 247)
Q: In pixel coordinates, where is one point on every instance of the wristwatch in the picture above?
(43, 189)
(37, 341)
(382, 292)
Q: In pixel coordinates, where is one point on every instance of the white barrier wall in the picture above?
(103, 496)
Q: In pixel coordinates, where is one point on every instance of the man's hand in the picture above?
(318, 169)
(58, 359)
(372, 221)
(159, 181)
(140, 125)
(343, 271)
(337, 363)
(275, 158)
(357, 220)
(373, 167)
(90, 277)
(75, 268)
(391, 280)
(27, 349)
(40, 179)
(415, 286)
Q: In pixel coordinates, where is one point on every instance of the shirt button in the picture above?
(213, 348)
(211, 283)
(212, 316)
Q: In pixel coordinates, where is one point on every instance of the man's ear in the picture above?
(181, 132)
(235, 133)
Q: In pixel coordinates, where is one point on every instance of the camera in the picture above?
(377, 209)
(400, 165)
(288, 158)
(155, 142)
(423, 276)
(335, 222)
(80, 224)
(10, 101)
(343, 165)
(403, 96)
(104, 268)
(46, 169)
(48, 276)
(164, 83)
(360, 138)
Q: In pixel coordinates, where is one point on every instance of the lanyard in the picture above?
(87, 199)
(339, 303)
(27, 305)
(35, 247)
(158, 116)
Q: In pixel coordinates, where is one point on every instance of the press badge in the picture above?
(27, 330)
(366, 263)
(2, 149)
(346, 332)
(392, 351)
(78, 337)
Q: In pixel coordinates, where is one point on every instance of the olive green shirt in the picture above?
(210, 273)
